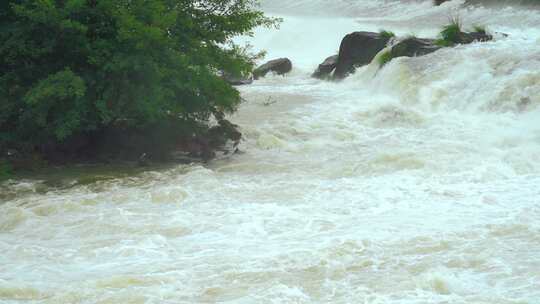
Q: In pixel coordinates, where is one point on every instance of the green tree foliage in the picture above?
(69, 67)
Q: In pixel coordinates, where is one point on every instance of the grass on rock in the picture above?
(387, 34)
(384, 58)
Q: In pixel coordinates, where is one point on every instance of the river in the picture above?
(415, 183)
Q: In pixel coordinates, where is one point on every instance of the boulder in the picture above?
(237, 80)
(358, 49)
(279, 66)
(326, 68)
(439, 2)
(412, 46)
(503, 3)
(466, 38)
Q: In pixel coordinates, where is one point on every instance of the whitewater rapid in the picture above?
(416, 183)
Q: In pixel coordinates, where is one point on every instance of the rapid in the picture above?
(415, 183)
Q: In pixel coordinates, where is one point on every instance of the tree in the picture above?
(72, 67)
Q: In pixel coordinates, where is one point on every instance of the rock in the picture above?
(198, 147)
(237, 80)
(11, 153)
(466, 38)
(280, 66)
(411, 47)
(143, 160)
(439, 2)
(326, 68)
(223, 132)
(503, 3)
(358, 49)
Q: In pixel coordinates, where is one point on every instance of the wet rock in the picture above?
(11, 153)
(238, 80)
(411, 47)
(279, 66)
(200, 147)
(503, 3)
(358, 49)
(326, 68)
(223, 132)
(481, 36)
(143, 160)
(439, 2)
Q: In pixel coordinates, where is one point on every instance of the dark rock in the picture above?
(466, 38)
(223, 132)
(200, 148)
(143, 160)
(279, 66)
(504, 3)
(11, 153)
(238, 80)
(358, 49)
(411, 47)
(326, 68)
(439, 2)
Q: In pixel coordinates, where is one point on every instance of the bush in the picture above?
(72, 67)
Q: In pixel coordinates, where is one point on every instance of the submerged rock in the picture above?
(326, 68)
(143, 160)
(279, 66)
(411, 47)
(358, 49)
(439, 2)
(238, 80)
(223, 138)
(481, 36)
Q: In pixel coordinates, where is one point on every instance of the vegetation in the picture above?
(385, 57)
(480, 29)
(450, 35)
(72, 69)
(6, 170)
(387, 34)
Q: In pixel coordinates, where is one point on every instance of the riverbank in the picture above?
(173, 142)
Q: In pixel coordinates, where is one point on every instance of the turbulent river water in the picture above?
(416, 183)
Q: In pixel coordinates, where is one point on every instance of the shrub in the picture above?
(71, 67)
